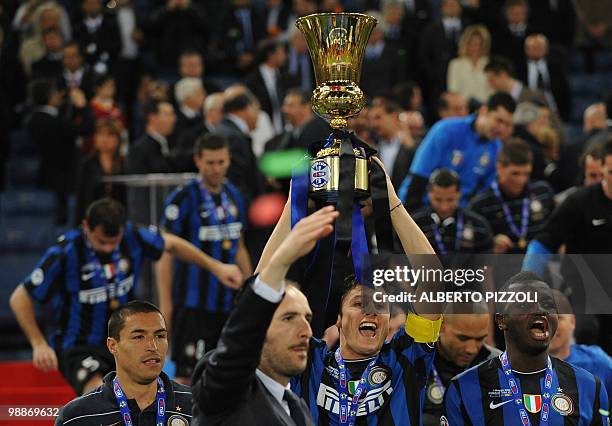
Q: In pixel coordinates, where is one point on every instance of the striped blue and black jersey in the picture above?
(186, 215)
(476, 235)
(397, 382)
(540, 199)
(81, 291)
(476, 397)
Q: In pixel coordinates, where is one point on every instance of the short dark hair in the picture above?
(390, 105)
(301, 93)
(523, 277)
(52, 30)
(500, 99)
(212, 141)
(151, 107)
(265, 49)
(403, 93)
(515, 151)
(238, 103)
(349, 283)
(607, 148)
(118, 317)
(594, 151)
(445, 178)
(443, 101)
(189, 52)
(511, 3)
(41, 91)
(101, 79)
(108, 213)
(498, 64)
(74, 44)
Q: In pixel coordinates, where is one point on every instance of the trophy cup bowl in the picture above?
(336, 42)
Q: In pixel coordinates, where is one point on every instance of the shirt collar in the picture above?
(516, 90)
(188, 112)
(276, 389)
(48, 109)
(163, 142)
(239, 122)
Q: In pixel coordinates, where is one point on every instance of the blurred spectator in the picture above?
(50, 65)
(556, 19)
(528, 120)
(175, 27)
(547, 72)
(299, 71)
(383, 67)
(191, 64)
(466, 72)
(437, 47)
(97, 34)
(500, 75)
(240, 112)
(75, 74)
(595, 126)
(467, 145)
(242, 27)
(452, 104)
(408, 95)
(594, 29)
(395, 148)
(515, 206)
(508, 39)
(189, 95)
(55, 135)
(106, 160)
(277, 17)
(182, 153)
(36, 18)
(148, 89)
(151, 153)
(413, 123)
(306, 127)
(266, 82)
(591, 172)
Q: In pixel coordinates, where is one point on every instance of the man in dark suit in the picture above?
(97, 33)
(437, 47)
(392, 148)
(55, 134)
(266, 81)
(75, 74)
(246, 379)
(151, 153)
(189, 95)
(507, 39)
(298, 72)
(547, 72)
(50, 66)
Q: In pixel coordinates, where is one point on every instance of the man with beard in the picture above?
(460, 346)
(89, 273)
(524, 385)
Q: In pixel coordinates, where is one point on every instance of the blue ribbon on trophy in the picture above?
(340, 171)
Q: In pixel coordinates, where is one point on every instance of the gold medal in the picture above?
(114, 304)
(522, 243)
(227, 244)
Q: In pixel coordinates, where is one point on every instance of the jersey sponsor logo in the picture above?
(499, 393)
(533, 403)
(37, 277)
(222, 232)
(563, 404)
(100, 294)
(493, 405)
(177, 420)
(172, 212)
(327, 397)
(319, 174)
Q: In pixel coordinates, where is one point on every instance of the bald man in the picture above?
(461, 345)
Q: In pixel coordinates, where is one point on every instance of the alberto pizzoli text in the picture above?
(457, 297)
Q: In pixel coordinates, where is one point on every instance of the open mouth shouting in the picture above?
(539, 329)
(368, 329)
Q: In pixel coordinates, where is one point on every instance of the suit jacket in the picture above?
(401, 166)
(243, 171)
(102, 45)
(145, 156)
(47, 68)
(380, 74)
(87, 83)
(559, 82)
(226, 390)
(255, 82)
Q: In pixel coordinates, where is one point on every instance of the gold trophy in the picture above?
(337, 43)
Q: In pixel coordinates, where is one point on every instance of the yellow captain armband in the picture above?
(421, 329)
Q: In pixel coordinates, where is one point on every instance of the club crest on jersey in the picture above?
(457, 157)
(533, 403)
(37, 277)
(563, 404)
(171, 212)
(377, 376)
(468, 233)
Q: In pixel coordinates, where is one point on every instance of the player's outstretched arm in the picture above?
(164, 269)
(281, 230)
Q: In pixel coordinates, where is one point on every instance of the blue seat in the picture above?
(35, 202)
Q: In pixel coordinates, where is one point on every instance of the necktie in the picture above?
(297, 415)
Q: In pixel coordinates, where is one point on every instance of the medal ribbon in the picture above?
(348, 409)
(99, 278)
(519, 233)
(515, 388)
(437, 380)
(438, 237)
(160, 403)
